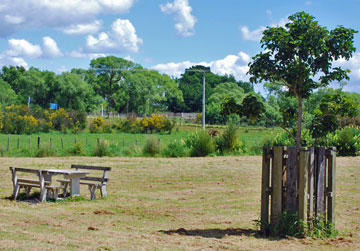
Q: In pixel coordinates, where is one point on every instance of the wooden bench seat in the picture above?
(28, 184)
(93, 183)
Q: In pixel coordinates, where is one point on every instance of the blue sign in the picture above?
(53, 106)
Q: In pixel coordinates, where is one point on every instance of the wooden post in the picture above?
(291, 180)
(303, 178)
(311, 172)
(265, 182)
(75, 141)
(86, 142)
(18, 143)
(50, 141)
(320, 181)
(136, 142)
(38, 142)
(29, 144)
(98, 141)
(276, 184)
(8, 145)
(62, 143)
(331, 185)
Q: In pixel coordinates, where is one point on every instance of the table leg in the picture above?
(74, 186)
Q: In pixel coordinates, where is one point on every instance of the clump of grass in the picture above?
(45, 152)
(76, 149)
(102, 149)
(151, 147)
(290, 225)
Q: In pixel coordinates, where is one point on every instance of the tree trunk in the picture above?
(299, 122)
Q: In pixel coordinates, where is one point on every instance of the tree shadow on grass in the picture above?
(215, 233)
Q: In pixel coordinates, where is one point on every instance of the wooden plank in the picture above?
(91, 167)
(95, 179)
(276, 183)
(311, 172)
(27, 170)
(331, 185)
(320, 181)
(265, 181)
(291, 180)
(303, 179)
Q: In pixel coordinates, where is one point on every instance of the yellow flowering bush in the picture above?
(154, 123)
(60, 120)
(17, 119)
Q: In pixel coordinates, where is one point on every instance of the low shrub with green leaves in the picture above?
(102, 149)
(151, 147)
(228, 141)
(201, 144)
(346, 141)
(176, 149)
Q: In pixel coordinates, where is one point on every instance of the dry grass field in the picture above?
(165, 204)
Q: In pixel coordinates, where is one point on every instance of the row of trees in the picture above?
(121, 86)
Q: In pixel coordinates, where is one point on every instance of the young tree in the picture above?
(295, 55)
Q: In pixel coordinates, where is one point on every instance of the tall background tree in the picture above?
(296, 54)
(110, 71)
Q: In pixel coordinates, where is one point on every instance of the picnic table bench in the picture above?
(28, 184)
(92, 182)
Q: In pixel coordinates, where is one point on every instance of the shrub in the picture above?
(176, 149)
(346, 141)
(201, 144)
(129, 125)
(60, 120)
(106, 128)
(228, 141)
(77, 149)
(151, 147)
(102, 149)
(17, 119)
(2, 150)
(45, 152)
(96, 124)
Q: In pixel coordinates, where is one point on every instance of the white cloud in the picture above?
(81, 29)
(353, 64)
(121, 38)
(20, 14)
(23, 48)
(6, 60)
(308, 3)
(256, 35)
(236, 65)
(81, 54)
(185, 22)
(50, 48)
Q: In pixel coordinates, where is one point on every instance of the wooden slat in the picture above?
(331, 185)
(102, 168)
(320, 181)
(311, 172)
(291, 180)
(265, 181)
(95, 179)
(303, 179)
(26, 170)
(276, 183)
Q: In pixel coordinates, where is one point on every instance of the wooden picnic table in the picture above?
(71, 174)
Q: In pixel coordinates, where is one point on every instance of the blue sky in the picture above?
(167, 35)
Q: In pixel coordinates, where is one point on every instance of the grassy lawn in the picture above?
(165, 204)
(27, 145)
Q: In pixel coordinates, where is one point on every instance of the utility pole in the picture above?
(203, 99)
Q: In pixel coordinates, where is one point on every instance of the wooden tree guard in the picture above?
(298, 181)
